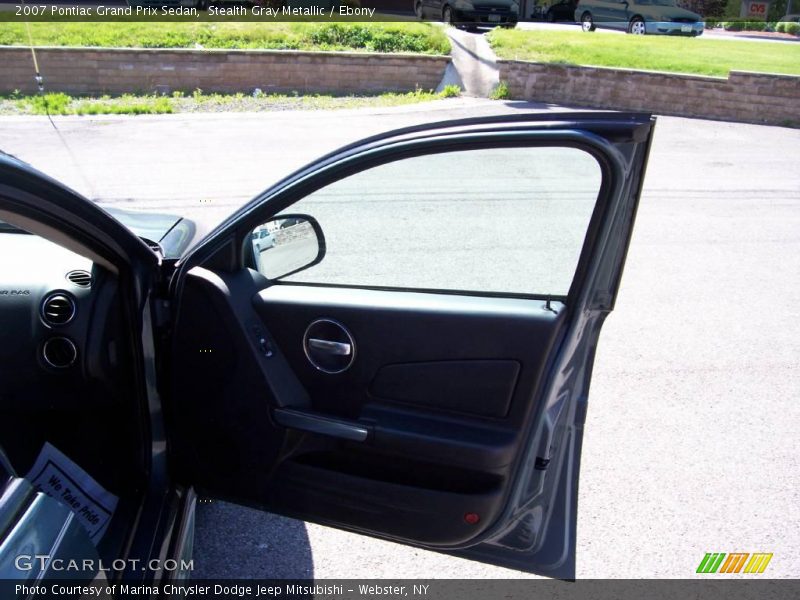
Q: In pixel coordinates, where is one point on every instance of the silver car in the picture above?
(639, 17)
(263, 240)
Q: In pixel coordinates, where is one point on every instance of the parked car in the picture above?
(639, 17)
(150, 373)
(564, 10)
(263, 240)
(468, 14)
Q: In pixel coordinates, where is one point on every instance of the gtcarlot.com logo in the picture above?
(735, 562)
(29, 562)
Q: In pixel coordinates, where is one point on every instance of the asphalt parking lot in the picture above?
(691, 443)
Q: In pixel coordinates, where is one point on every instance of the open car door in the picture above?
(398, 339)
(77, 379)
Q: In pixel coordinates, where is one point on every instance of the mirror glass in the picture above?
(285, 245)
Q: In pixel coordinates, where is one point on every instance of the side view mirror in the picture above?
(287, 244)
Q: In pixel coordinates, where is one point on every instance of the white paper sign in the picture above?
(60, 478)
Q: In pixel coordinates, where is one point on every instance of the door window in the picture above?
(501, 220)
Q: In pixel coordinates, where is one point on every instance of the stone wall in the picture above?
(123, 70)
(747, 97)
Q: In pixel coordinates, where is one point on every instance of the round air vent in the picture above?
(80, 278)
(58, 309)
(59, 352)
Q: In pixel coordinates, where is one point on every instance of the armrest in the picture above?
(305, 420)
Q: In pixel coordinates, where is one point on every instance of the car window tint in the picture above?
(489, 220)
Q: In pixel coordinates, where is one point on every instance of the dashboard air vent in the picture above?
(58, 309)
(59, 352)
(80, 278)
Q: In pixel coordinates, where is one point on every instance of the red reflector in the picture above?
(472, 518)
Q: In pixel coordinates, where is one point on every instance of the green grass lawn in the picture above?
(375, 37)
(657, 53)
(178, 102)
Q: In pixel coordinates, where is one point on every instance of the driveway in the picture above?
(691, 442)
(474, 65)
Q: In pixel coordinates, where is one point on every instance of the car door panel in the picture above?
(436, 439)
(609, 13)
(458, 424)
(422, 469)
(424, 335)
(232, 444)
(476, 387)
(398, 511)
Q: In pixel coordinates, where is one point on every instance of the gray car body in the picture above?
(658, 18)
(536, 529)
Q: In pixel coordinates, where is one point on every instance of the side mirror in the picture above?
(287, 244)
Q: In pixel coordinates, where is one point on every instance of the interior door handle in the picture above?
(335, 348)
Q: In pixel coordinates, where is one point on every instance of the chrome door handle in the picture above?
(335, 348)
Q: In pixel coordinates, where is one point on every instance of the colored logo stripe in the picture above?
(734, 562)
(758, 563)
(713, 562)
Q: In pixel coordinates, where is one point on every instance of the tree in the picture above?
(706, 8)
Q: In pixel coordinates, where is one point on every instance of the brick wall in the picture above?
(747, 97)
(121, 70)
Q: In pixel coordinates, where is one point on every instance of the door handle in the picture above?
(335, 348)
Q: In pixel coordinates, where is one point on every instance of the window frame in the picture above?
(601, 150)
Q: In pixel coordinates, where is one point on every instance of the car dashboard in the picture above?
(47, 300)
(61, 341)
(63, 358)
(66, 373)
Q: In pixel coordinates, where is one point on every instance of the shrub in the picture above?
(375, 38)
(793, 28)
(54, 104)
(744, 26)
(711, 9)
(501, 92)
(777, 8)
(451, 91)
(63, 104)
